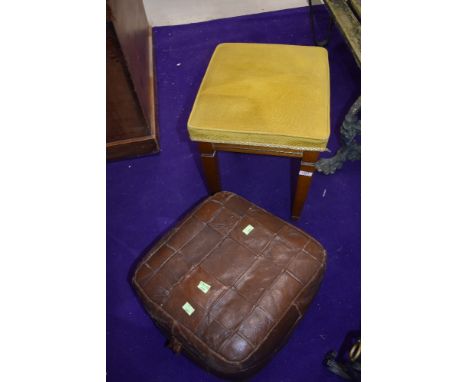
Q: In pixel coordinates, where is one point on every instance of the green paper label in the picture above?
(188, 308)
(247, 229)
(203, 286)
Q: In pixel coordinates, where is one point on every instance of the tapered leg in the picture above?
(210, 166)
(303, 181)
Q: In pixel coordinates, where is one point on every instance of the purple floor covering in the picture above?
(146, 196)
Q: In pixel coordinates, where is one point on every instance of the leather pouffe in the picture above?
(229, 283)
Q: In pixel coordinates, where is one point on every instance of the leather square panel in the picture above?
(315, 249)
(257, 239)
(157, 289)
(197, 249)
(236, 348)
(213, 333)
(258, 278)
(174, 268)
(256, 326)
(238, 205)
(229, 261)
(224, 221)
(199, 295)
(265, 218)
(188, 230)
(231, 309)
(304, 266)
(144, 273)
(159, 257)
(279, 252)
(175, 307)
(208, 211)
(230, 294)
(293, 237)
(277, 298)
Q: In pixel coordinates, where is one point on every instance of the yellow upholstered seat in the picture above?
(264, 95)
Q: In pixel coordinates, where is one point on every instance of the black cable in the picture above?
(312, 26)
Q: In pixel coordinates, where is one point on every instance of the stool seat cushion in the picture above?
(266, 95)
(229, 283)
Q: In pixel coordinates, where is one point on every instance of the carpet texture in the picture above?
(146, 196)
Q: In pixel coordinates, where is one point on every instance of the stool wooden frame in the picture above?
(209, 159)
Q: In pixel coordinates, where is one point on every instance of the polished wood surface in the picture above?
(131, 118)
(131, 147)
(210, 165)
(209, 159)
(136, 40)
(124, 116)
(258, 150)
(304, 180)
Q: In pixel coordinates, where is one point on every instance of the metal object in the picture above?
(325, 41)
(356, 7)
(347, 16)
(350, 149)
(346, 362)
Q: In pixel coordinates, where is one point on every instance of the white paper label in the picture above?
(305, 173)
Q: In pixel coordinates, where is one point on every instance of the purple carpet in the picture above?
(146, 196)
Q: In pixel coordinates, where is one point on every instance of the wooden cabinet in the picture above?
(131, 128)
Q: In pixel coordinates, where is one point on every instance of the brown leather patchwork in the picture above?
(236, 348)
(293, 237)
(257, 279)
(157, 289)
(304, 266)
(229, 261)
(224, 221)
(265, 218)
(256, 326)
(278, 252)
(175, 268)
(205, 288)
(197, 249)
(175, 307)
(278, 297)
(316, 250)
(253, 235)
(159, 257)
(144, 273)
(230, 282)
(214, 334)
(237, 204)
(206, 212)
(187, 232)
(231, 309)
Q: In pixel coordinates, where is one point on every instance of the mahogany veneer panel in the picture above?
(131, 121)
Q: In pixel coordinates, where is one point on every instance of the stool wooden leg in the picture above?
(210, 166)
(303, 181)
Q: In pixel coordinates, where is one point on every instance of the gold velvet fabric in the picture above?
(265, 95)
